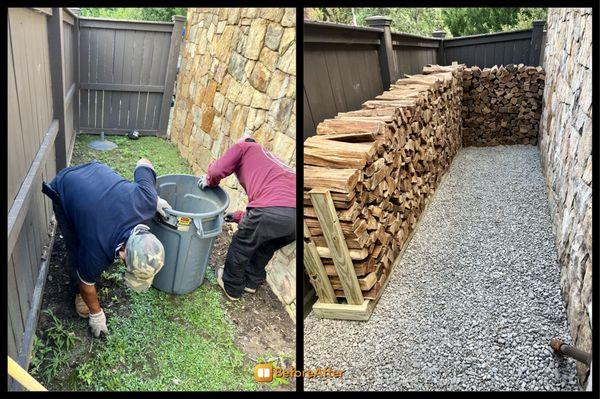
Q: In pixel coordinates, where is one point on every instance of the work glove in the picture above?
(161, 205)
(144, 162)
(202, 184)
(229, 217)
(98, 323)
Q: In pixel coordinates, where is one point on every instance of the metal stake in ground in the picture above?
(102, 144)
(564, 349)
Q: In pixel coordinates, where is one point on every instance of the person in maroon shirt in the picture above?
(269, 222)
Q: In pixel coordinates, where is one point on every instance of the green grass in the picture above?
(163, 154)
(167, 342)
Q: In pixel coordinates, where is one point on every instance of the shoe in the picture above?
(250, 290)
(81, 308)
(222, 285)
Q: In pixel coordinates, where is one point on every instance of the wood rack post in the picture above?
(357, 307)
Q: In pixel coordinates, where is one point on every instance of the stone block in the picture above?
(288, 37)
(223, 44)
(278, 84)
(236, 66)
(238, 122)
(283, 146)
(209, 93)
(268, 58)
(218, 102)
(287, 62)
(272, 14)
(233, 15)
(250, 12)
(289, 17)
(215, 130)
(245, 97)
(256, 38)
(273, 36)
(260, 77)
(261, 100)
(281, 111)
(233, 91)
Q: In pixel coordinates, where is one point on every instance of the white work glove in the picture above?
(144, 162)
(202, 182)
(161, 205)
(98, 323)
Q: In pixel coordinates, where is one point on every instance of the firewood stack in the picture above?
(381, 163)
(502, 105)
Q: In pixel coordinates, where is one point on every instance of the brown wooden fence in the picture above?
(522, 46)
(346, 65)
(41, 100)
(45, 50)
(127, 74)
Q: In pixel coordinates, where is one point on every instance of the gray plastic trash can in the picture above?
(189, 231)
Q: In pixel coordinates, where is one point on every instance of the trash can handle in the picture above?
(211, 233)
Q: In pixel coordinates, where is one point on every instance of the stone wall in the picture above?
(237, 76)
(566, 153)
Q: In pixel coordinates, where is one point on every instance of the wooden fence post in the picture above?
(536, 42)
(387, 60)
(77, 12)
(57, 73)
(170, 75)
(440, 54)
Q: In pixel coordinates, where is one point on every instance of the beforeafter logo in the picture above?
(265, 372)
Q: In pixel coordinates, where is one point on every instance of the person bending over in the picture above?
(269, 222)
(100, 215)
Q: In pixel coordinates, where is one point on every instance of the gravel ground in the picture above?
(475, 299)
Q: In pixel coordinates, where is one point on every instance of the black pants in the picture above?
(71, 239)
(261, 232)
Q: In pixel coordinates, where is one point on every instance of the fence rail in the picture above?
(55, 58)
(346, 65)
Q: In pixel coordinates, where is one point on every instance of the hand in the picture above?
(202, 182)
(229, 217)
(145, 162)
(161, 205)
(98, 323)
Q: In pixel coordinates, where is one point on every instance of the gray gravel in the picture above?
(475, 299)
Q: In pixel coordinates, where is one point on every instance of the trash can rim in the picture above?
(198, 215)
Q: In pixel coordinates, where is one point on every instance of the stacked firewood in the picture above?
(381, 164)
(502, 105)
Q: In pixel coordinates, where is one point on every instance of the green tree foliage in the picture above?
(418, 21)
(142, 14)
(423, 21)
(472, 21)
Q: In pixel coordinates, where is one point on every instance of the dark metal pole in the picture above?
(570, 351)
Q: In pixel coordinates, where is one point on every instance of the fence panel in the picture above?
(485, 51)
(412, 53)
(341, 70)
(124, 72)
(31, 158)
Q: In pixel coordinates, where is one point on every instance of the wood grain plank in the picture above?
(323, 204)
(316, 273)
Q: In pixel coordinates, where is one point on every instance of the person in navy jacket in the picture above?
(100, 215)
